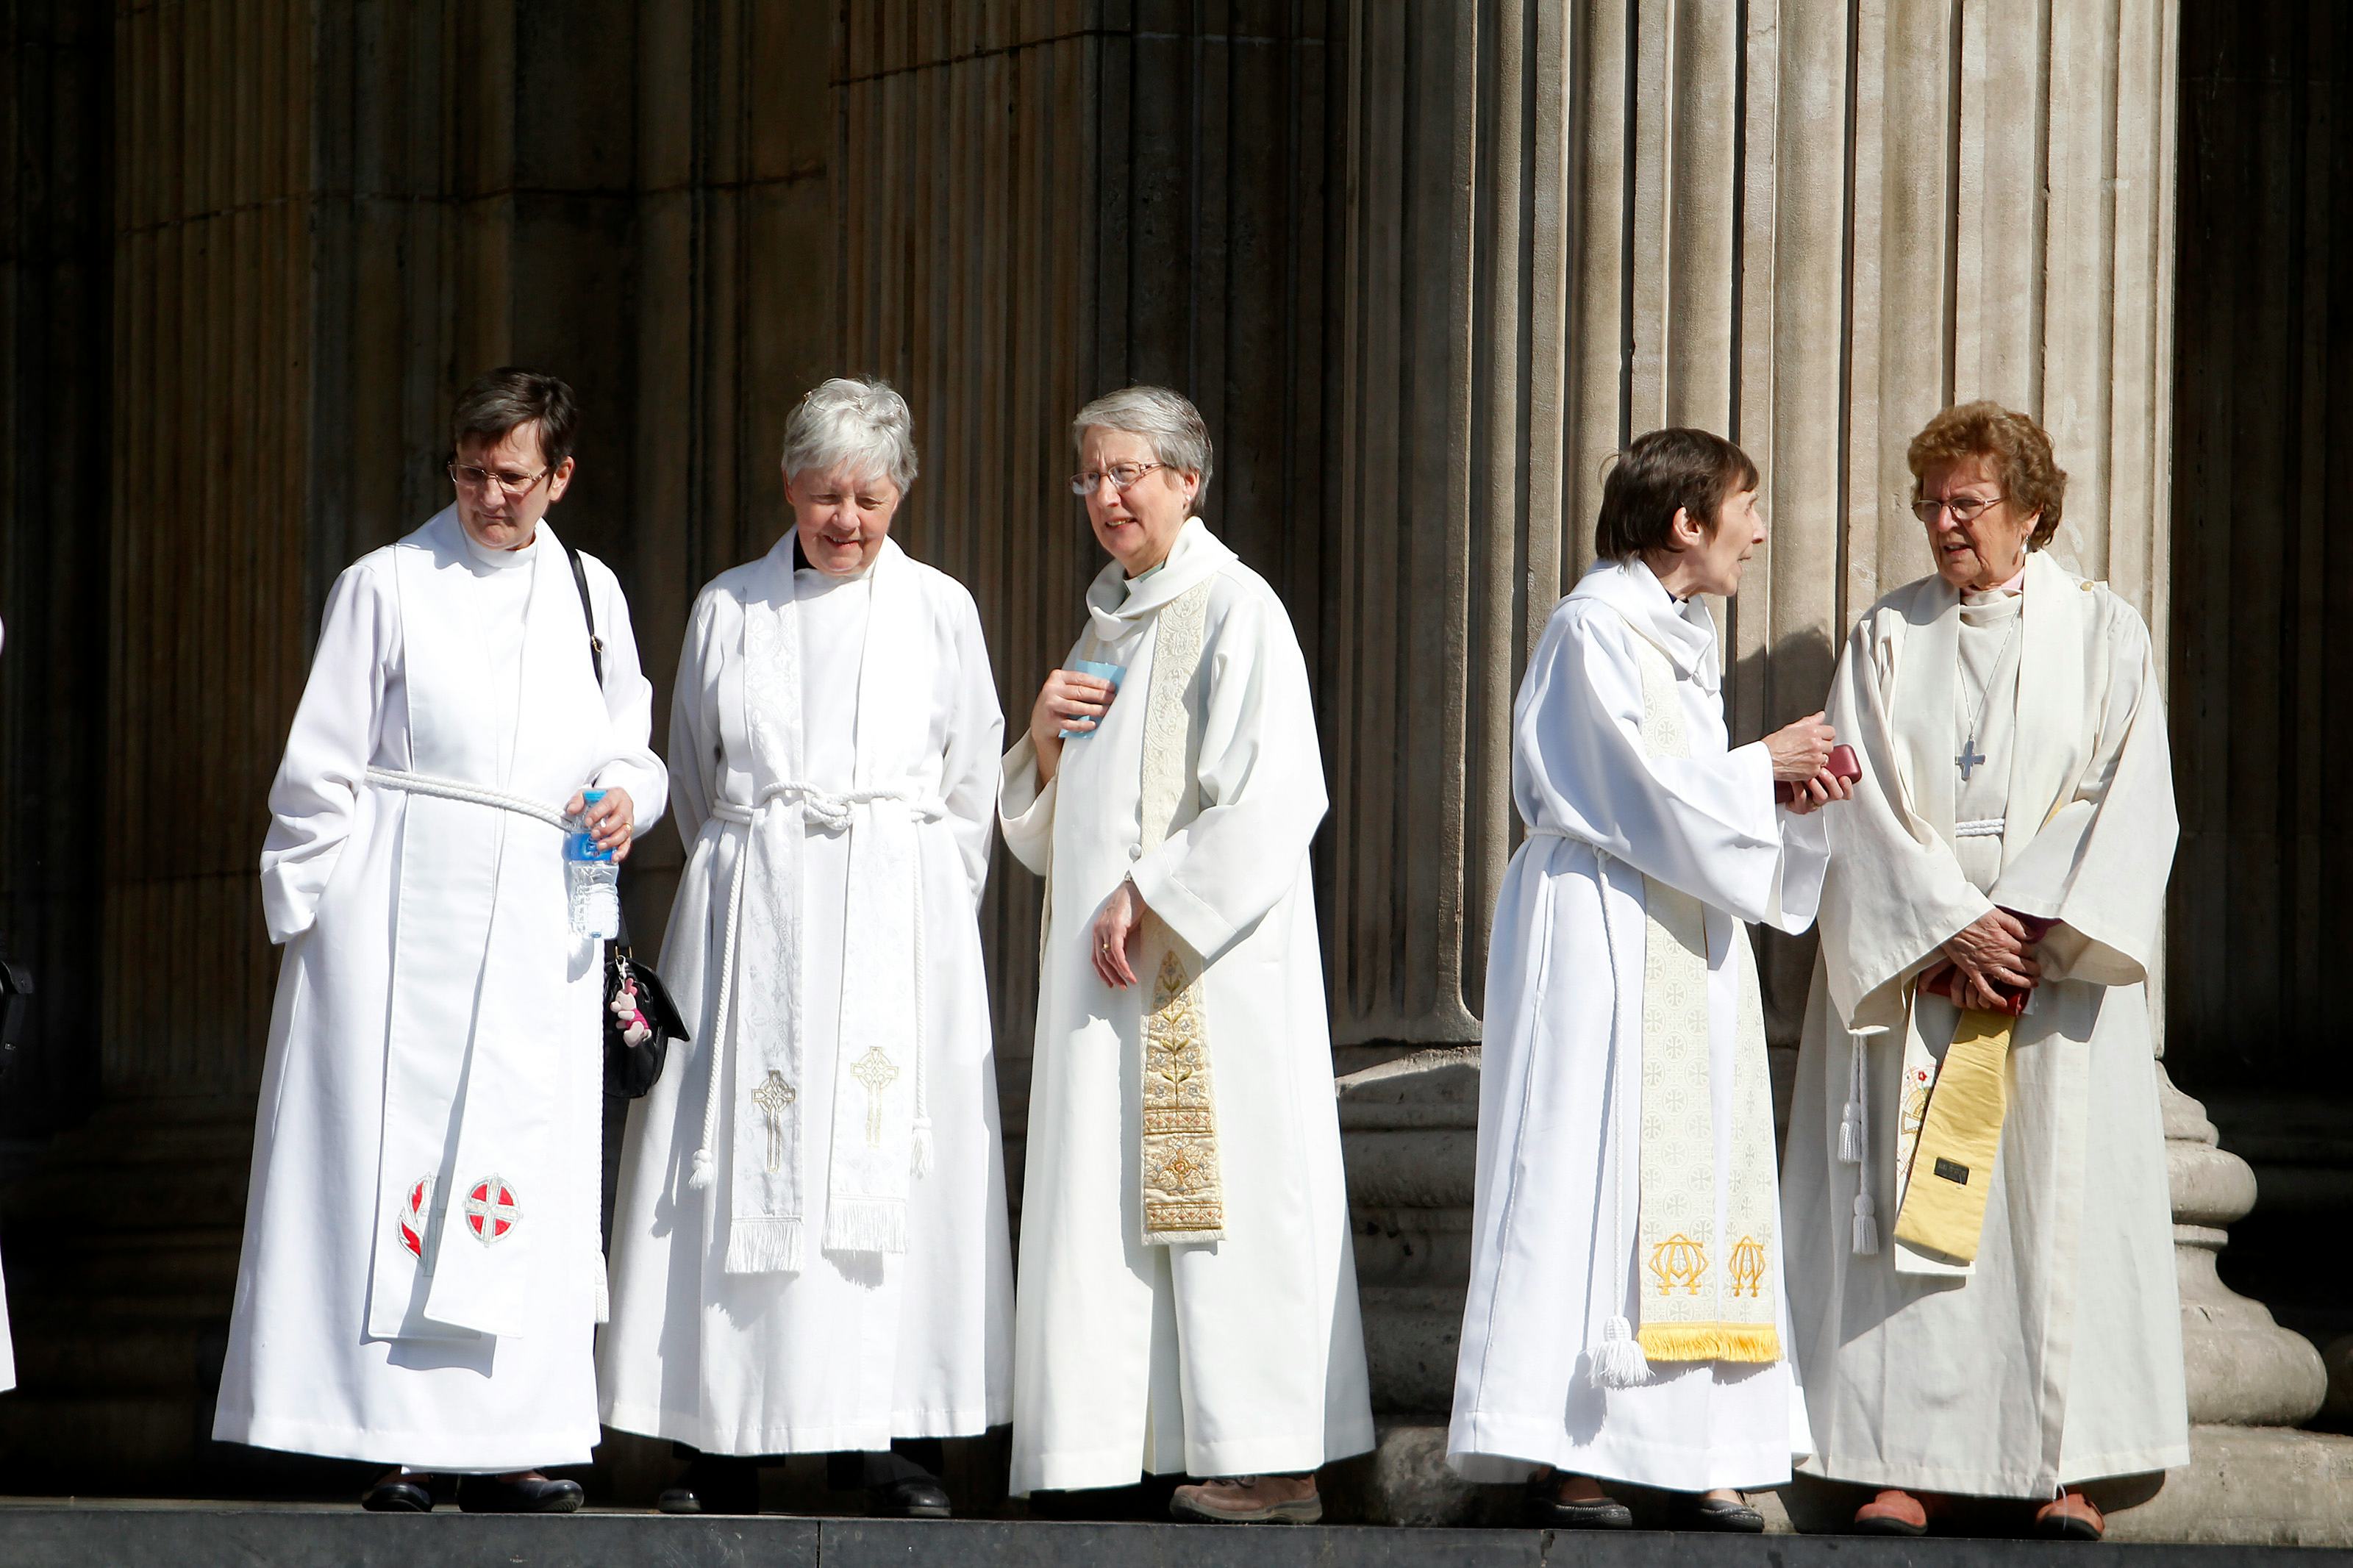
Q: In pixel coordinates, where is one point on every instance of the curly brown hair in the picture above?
(2032, 478)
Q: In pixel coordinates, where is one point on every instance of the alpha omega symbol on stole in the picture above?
(877, 1072)
(491, 1210)
(1677, 1261)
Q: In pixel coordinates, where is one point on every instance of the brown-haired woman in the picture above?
(1626, 1317)
(1978, 1228)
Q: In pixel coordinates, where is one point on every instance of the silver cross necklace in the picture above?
(1971, 758)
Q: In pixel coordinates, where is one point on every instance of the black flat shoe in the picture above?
(1734, 1518)
(706, 1489)
(917, 1497)
(1600, 1513)
(405, 1495)
(488, 1494)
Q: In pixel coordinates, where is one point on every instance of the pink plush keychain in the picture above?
(635, 1030)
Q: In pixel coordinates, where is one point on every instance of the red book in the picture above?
(1843, 764)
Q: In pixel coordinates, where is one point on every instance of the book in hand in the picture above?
(1843, 764)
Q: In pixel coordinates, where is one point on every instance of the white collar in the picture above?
(1680, 628)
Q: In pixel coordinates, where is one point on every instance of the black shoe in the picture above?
(488, 1494)
(400, 1494)
(1601, 1513)
(713, 1486)
(1735, 1517)
(915, 1497)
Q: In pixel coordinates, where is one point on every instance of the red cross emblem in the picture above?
(413, 1216)
(492, 1209)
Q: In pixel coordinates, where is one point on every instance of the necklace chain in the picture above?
(1970, 756)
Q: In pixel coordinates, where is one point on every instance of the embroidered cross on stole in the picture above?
(1184, 1191)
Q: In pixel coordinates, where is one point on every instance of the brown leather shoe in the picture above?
(1249, 1499)
(1893, 1512)
(2071, 1516)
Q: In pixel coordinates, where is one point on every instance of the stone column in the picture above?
(1810, 225)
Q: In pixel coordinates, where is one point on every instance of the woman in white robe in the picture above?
(1601, 1121)
(1188, 1290)
(840, 1277)
(422, 1271)
(2011, 836)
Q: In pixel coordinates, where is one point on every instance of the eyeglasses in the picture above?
(1964, 509)
(1126, 476)
(516, 486)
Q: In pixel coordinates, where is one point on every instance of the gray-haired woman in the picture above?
(809, 1248)
(1188, 1294)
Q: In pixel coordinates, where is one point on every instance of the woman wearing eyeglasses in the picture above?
(1188, 1297)
(1980, 1248)
(421, 1274)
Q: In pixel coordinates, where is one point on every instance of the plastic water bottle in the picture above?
(594, 880)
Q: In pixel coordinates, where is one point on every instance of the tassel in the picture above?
(1850, 1135)
(701, 1178)
(922, 1162)
(1866, 1226)
(1620, 1363)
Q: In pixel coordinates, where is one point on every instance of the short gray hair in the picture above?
(1166, 419)
(854, 422)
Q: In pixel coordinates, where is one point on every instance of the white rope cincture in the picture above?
(1981, 827)
(834, 813)
(1856, 1152)
(476, 794)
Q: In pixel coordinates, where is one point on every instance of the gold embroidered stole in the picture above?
(1703, 1294)
(1184, 1191)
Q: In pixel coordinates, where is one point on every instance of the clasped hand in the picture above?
(1801, 756)
(1991, 951)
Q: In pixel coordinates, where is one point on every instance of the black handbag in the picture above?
(630, 1069)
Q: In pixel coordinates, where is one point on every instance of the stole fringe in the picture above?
(1711, 1342)
(763, 1246)
(866, 1225)
(1620, 1363)
(1866, 1226)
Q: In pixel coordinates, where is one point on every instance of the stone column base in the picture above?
(2245, 1486)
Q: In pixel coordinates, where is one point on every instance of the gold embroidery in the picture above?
(1747, 1267)
(1182, 1193)
(1679, 1260)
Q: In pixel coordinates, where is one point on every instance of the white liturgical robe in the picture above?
(1558, 1193)
(2054, 1356)
(421, 1273)
(1243, 1355)
(842, 1349)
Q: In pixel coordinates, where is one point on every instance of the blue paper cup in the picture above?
(1101, 671)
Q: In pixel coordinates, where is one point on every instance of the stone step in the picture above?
(191, 1535)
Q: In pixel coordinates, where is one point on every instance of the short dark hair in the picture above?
(1662, 473)
(511, 396)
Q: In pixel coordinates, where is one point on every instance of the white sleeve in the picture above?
(630, 762)
(975, 729)
(315, 795)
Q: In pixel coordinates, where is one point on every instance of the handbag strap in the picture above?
(588, 613)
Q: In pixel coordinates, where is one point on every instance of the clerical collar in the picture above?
(495, 559)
